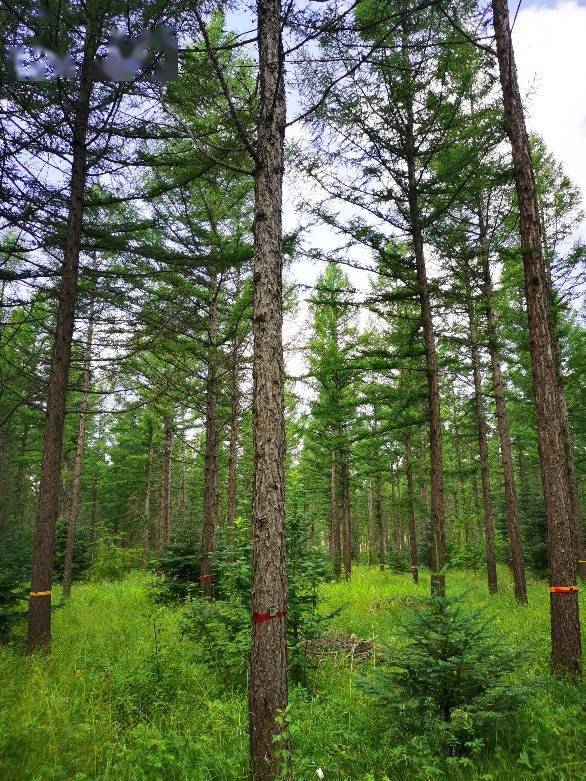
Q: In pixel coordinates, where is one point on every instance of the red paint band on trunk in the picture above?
(564, 589)
(260, 618)
(206, 577)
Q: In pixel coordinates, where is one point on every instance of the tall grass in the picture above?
(122, 698)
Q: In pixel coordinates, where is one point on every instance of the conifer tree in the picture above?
(565, 621)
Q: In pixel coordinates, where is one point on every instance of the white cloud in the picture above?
(550, 50)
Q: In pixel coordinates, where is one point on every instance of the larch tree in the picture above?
(393, 120)
(74, 122)
(268, 695)
(566, 650)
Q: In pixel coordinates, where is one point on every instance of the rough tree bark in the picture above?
(482, 444)
(335, 545)
(411, 500)
(382, 526)
(371, 525)
(567, 436)
(268, 659)
(565, 620)
(346, 523)
(234, 420)
(39, 614)
(78, 461)
(210, 494)
(460, 508)
(438, 534)
(146, 522)
(511, 505)
(166, 498)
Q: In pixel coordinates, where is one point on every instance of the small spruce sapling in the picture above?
(307, 567)
(452, 667)
(178, 568)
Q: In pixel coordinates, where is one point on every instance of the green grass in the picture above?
(122, 697)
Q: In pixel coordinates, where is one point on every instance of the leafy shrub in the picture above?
(113, 562)
(473, 555)
(307, 568)
(221, 632)
(82, 550)
(15, 561)
(178, 567)
(225, 625)
(452, 669)
(398, 560)
(233, 562)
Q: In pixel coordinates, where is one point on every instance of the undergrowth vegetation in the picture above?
(125, 696)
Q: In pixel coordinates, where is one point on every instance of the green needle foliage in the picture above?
(453, 667)
(14, 572)
(178, 567)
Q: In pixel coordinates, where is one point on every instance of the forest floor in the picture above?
(123, 698)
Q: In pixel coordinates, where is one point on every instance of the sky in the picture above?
(550, 48)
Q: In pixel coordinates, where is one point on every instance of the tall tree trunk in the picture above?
(565, 619)
(476, 497)
(183, 486)
(511, 505)
(166, 500)
(398, 531)
(78, 461)
(4, 474)
(438, 534)
(461, 494)
(411, 501)
(234, 420)
(39, 613)
(146, 522)
(482, 444)
(382, 527)
(95, 485)
(567, 437)
(422, 480)
(371, 525)
(335, 546)
(572, 478)
(394, 532)
(20, 486)
(268, 659)
(210, 495)
(355, 527)
(346, 524)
